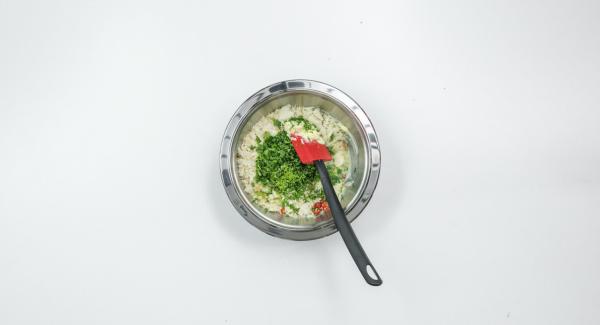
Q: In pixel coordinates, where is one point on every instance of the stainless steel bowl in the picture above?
(364, 148)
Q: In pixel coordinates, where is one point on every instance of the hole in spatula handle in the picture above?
(371, 276)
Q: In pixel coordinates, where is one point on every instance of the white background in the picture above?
(112, 210)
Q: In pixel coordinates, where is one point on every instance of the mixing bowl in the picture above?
(363, 145)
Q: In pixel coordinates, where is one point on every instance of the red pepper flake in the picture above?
(282, 211)
(319, 207)
(325, 206)
(316, 209)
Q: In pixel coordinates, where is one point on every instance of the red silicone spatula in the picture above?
(312, 152)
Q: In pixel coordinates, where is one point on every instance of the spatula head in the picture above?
(309, 151)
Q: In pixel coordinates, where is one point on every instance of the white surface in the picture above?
(111, 207)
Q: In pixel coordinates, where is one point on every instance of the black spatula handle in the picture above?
(343, 226)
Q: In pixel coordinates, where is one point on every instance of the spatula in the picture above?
(313, 152)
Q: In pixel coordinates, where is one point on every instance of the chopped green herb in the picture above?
(293, 208)
(334, 173)
(316, 194)
(278, 167)
(331, 151)
(279, 170)
(301, 120)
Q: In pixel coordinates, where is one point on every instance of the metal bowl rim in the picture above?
(237, 122)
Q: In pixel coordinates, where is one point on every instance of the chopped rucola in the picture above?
(335, 173)
(331, 151)
(299, 120)
(279, 169)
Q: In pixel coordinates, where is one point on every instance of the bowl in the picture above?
(363, 147)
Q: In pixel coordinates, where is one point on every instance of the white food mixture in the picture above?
(325, 129)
